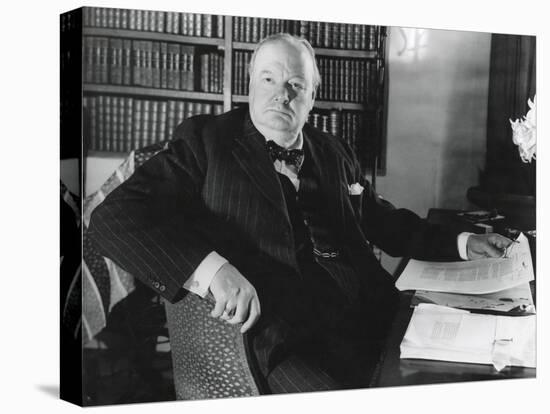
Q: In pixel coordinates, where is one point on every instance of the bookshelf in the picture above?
(145, 71)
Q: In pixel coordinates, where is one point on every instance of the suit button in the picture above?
(156, 285)
(162, 288)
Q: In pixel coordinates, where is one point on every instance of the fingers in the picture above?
(253, 316)
(499, 241)
(241, 311)
(229, 310)
(218, 308)
(492, 251)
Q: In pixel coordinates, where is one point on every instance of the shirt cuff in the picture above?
(200, 280)
(462, 241)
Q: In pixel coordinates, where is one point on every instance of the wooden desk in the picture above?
(394, 371)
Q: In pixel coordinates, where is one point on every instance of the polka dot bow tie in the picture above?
(294, 156)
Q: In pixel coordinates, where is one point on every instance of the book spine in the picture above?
(129, 124)
(116, 65)
(207, 25)
(248, 30)
(124, 14)
(156, 65)
(108, 137)
(189, 109)
(191, 71)
(161, 27)
(145, 124)
(121, 124)
(176, 22)
(161, 126)
(184, 22)
(163, 65)
(204, 63)
(87, 17)
(137, 124)
(101, 123)
(115, 139)
(153, 123)
(176, 66)
(169, 23)
(170, 119)
(326, 35)
(197, 23)
(242, 29)
(88, 59)
(132, 16)
(146, 21)
(170, 66)
(180, 112)
(347, 80)
(93, 144)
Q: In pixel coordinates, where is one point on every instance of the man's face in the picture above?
(281, 90)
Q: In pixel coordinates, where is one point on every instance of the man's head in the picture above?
(283, 80)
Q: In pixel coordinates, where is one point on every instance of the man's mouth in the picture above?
(280, 111)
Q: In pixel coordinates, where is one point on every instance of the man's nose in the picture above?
(284, 94)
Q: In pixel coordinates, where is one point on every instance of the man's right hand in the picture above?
(233, 293)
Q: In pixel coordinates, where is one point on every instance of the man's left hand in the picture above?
(481, 246)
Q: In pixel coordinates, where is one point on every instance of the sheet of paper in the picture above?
(471, 277)
(516, 300)
(447, 334)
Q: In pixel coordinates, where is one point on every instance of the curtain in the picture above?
(512, 82)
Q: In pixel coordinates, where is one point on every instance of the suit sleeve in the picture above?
(154, 225)
(400, 232)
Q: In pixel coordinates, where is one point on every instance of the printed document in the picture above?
(441, 333)
(471, 277)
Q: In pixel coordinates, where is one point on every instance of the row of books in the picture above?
(240, 78)
(351, 126)
(187, 24)
(348, 80)
(120, 124)
(342, 80)
(319, 34)
(151, 64)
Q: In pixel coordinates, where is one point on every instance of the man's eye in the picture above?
(267, 80)
(297, 85)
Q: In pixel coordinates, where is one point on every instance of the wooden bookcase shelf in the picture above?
(139, 91)
(359, 119)
(154, 36)
(319, 51)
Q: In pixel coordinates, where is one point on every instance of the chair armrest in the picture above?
(208, 354)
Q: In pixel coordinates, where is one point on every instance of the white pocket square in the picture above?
(355, 189)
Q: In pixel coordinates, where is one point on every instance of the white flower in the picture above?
(524, 132)
(355, 189)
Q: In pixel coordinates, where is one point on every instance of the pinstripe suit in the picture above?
(215, 189)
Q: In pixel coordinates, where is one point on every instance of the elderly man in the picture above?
(275, 220)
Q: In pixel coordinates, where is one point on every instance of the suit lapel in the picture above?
(334, 185)
(328, 167)
(251, 155)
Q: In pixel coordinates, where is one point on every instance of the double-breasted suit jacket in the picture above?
(215, 189)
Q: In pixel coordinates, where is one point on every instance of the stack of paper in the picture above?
(450, 334)
(441, 333)
(514, 301)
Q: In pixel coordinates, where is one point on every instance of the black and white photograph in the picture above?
(274, 209)
(273, 206)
